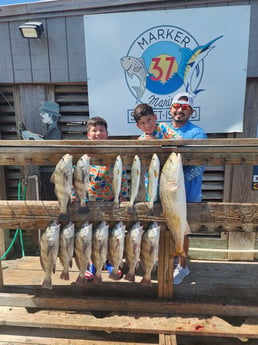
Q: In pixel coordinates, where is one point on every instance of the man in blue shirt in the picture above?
(181, 110)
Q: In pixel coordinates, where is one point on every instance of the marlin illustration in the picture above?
(190, 63)
(136, 66)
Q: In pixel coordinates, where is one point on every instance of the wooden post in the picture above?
(4, 234)
(1, 275)
(166, 265)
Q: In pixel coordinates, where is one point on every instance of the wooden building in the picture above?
(54, 68)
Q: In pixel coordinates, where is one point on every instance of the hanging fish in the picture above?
(117, 179)
(135, 181)
(153, 180)
(62, 177)
(49, 244)
(173, 200)
(99, 249)
(149, 251)
(116, 241)
(133, 249)
(66, 249)
(82, 250)
(81, 181)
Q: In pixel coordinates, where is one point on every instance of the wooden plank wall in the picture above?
(24, 103)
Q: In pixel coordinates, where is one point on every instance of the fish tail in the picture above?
(63, 217)
(145, 282)
(84, 209)
(80, 280)
(130, 277)
(97, 279)
(64, 275)
(116, 204)
(47, 284)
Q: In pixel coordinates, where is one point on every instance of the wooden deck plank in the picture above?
(10, 335)
(128, 323)
(214, 288)
(29, 340)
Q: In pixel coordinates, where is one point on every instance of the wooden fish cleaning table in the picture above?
(135, 309)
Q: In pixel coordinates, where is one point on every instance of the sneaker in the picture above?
(89, 274)
(179, 274)
(110, 268)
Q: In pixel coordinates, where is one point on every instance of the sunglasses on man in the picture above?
(182, 106)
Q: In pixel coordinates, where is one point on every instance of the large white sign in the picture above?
(148, 57)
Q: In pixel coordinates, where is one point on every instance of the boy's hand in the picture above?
(147, 137)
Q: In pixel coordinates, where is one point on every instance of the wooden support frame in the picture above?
(203, 217)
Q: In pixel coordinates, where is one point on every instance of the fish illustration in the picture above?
(99, 249)
(49, 244)
(117, 179)
(81, 181)
(153, 180)
(173, 200)
(190, 62)
(135, 181)
(132, 249)
(62, 177)
(136, 66)
(149, 251)
(82, 250)
(66, 249)
(116, 248)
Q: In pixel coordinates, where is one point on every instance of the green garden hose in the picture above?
(18, 231)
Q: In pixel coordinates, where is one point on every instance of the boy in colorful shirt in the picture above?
(101, 176)
(146, 121)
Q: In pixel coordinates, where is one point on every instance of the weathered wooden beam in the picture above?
(194, 152)
(203, 217)
(129, 323)
(36, 299)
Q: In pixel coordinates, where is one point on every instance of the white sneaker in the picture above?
(179, 274)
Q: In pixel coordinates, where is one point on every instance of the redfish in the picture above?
(173, 200)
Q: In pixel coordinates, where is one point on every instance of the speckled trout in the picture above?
(153, 180)
(173, 200)
(135, 181)
(117, 180)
